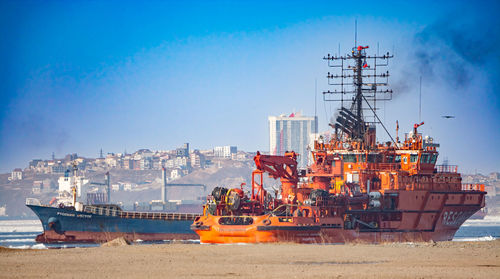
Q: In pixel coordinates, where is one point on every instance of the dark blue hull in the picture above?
(69, 225)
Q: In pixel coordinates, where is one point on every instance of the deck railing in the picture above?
(139, 215)
(385, 166)
(33, 201)
(472, 187)
(447, 168)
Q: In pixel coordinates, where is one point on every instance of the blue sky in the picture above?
(77, 76)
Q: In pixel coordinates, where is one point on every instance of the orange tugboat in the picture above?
(356, 189)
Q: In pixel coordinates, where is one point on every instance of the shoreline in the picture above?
(479, 259)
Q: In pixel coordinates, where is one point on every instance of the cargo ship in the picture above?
(68, 220)
(101, 223)
(356, 189)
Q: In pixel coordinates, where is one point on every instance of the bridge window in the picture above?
(397, 159)
(433, 158)
(349, 158)
(413, 158)
(375, 158)
(372, 158)
(389, 158)
(362, 158)
(425, 158)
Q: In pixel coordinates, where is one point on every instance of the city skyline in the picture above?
(80, 76)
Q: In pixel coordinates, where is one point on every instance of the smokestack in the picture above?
(164, 185)
(108, 187)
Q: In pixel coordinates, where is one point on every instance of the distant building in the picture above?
(58, 168)
(197, 159)
(176, 173)
(33, 164)
(291, 133)
(111, 160)
(145, 163)
(128, 164)
(491, 189)
(157, 163)
(127, 187)
(49, 185)
(183, 151)
(170, 163)
(144, 152)
(181, 162)
(495, 176)
(16, 174)
(37, 187)
(240, 156)
(136, 165)
(70, 157)
(225, 151)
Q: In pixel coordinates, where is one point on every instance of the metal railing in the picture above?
(447, 168)
(140, 215)
(472, 187)
(385, 166)
(33, 201)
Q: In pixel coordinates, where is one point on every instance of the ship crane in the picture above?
(278, 166)
(415, 126)
(283, 167)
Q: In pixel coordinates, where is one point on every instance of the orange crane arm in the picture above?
(278, 166)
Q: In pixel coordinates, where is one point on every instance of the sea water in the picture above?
(21, 234)
(479, 229)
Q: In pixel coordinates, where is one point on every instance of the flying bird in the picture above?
(448, 116)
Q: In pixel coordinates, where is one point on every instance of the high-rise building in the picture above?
(225, 151)
(183, 151)
(291, 133)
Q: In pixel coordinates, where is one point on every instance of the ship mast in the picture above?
(359, 81)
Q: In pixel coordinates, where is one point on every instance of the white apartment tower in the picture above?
(225, 151)
(291, 133)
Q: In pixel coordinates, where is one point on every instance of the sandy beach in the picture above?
(392, 260)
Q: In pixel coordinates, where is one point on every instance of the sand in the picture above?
(393, 260)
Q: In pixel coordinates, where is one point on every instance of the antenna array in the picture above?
(357, 79)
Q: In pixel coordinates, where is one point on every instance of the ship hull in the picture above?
(67, 225)
(325, 236)
(100, 237)
(435, 217)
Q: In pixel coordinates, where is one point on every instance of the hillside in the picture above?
(226, 173)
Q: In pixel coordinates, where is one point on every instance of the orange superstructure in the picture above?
(355, 189)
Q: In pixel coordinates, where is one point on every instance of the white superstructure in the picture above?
(66, 184)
